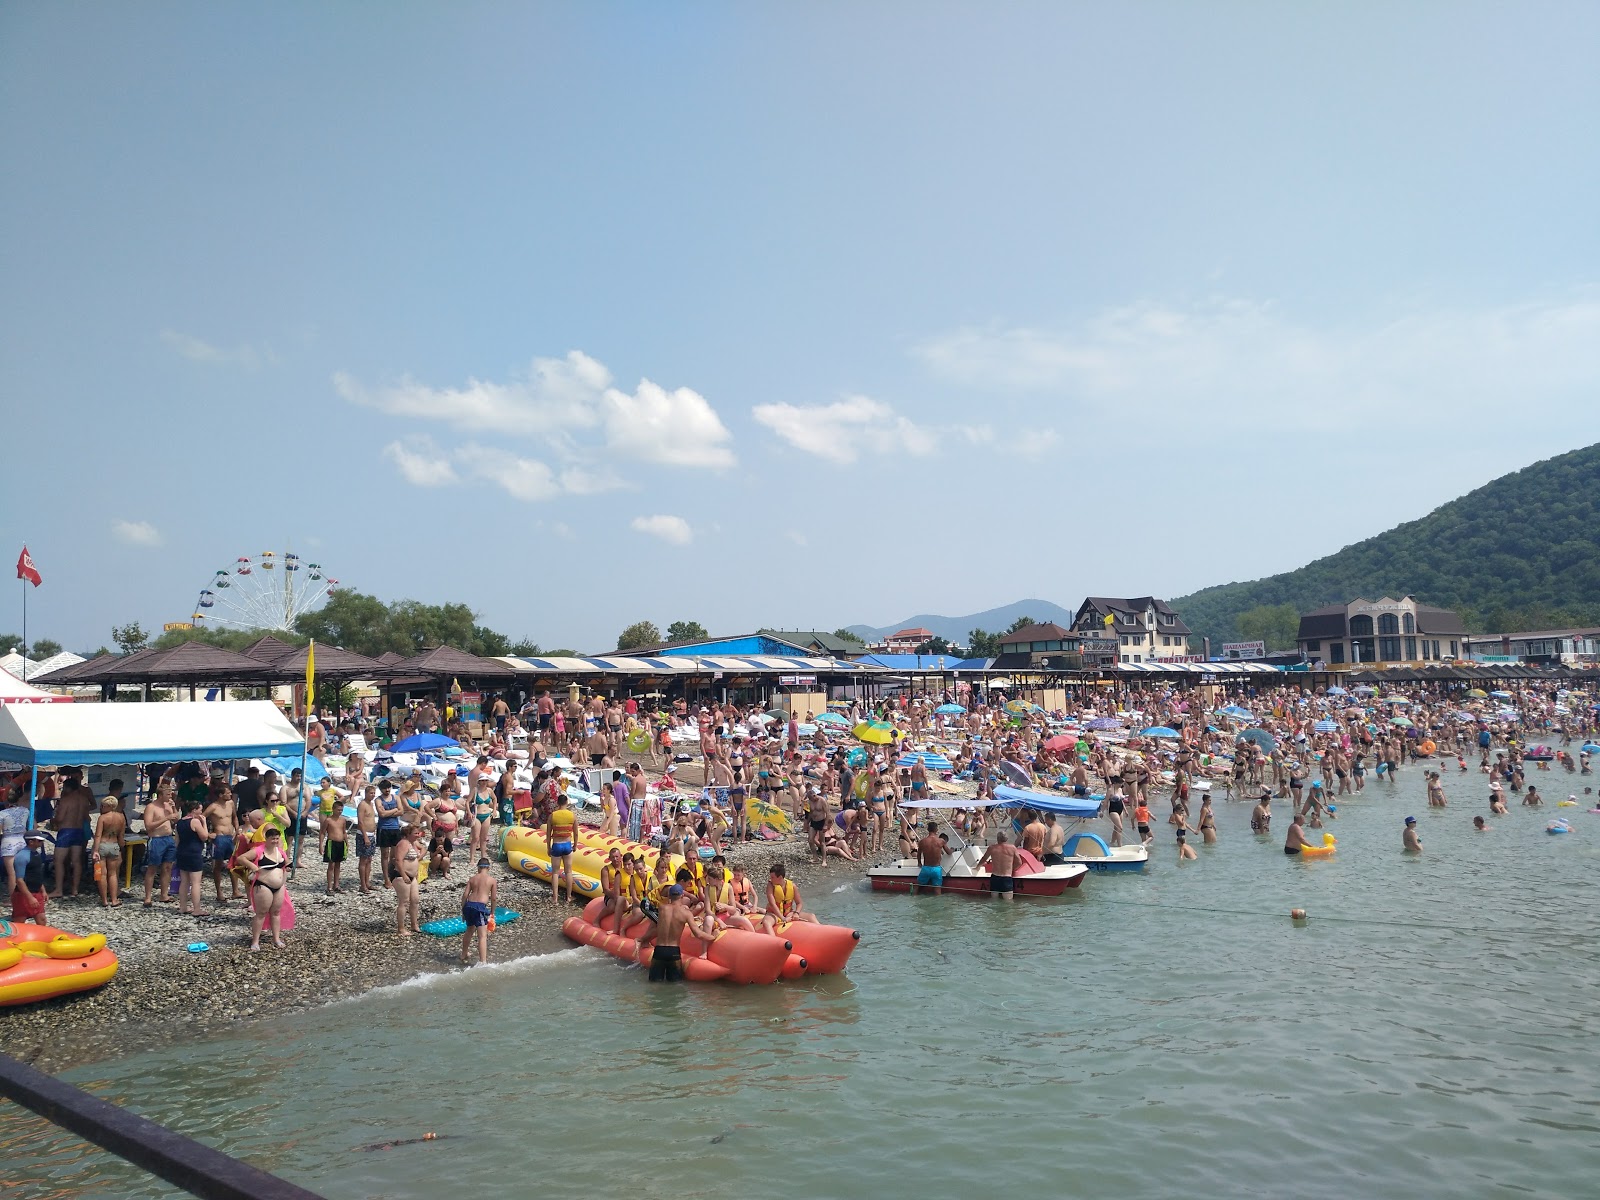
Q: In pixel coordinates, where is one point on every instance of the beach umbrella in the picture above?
(763, 814)
(1018, 708)
(423, 741)
(1400, 721)
(1337, 691)
(777, 714)
(1061, 741)
(1395, 700)
(1479, 693)
(929, 761)
(1501, 695)
(1159, 731)
(1326, 726)
(830, 718)
(806, 730)
(876, 733)
(1104, 723)
(1260, 737)
(289, 763)
(950, 709)
(1237, 713)
(1364, 690)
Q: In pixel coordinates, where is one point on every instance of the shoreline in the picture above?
(341, 948)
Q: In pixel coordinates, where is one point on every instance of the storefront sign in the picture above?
(1098, 646)
(470, 706)
(1244, 650)
(797, 681)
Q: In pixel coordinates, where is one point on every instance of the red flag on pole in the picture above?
(26, 569)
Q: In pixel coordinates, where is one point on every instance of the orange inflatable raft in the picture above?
(39, 961)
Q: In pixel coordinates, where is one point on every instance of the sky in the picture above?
(798, 315)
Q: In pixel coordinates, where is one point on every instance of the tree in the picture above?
(130, 637)
(935, 645)
(686, 631)
(1278, 625)
(848, 635)
(982, 644)
(1020, 623)
(10, 642)
(525, 648)
(44, 648)
(228, 639)
(640, 633)
(366, 625)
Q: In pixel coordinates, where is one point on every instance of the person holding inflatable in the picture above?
(561, 836)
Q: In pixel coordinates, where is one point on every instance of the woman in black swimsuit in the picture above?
(266, 888)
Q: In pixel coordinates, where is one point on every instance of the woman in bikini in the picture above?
(483, 805)
(403, 878)
(446, 818)
(266, 888)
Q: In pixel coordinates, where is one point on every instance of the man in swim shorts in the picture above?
(666, 959)
(477, 909)
(1001, 859)
(930, 860)
(1054, 838)
(561, 836)
(1296, 837)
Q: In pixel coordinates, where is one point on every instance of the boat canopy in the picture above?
(1066, 806)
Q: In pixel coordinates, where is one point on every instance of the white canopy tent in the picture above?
(14, 691)
(71, 735)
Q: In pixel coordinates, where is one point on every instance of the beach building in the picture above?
(815, 641)
(1145, 630)
(1380, 631)
(1573, 646)
(906, 641)
(1048, 646)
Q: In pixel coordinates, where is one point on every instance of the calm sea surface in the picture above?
(1432, 1031)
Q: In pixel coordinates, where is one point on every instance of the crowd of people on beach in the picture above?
(250, 833)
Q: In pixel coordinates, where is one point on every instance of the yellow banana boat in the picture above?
(529, 854)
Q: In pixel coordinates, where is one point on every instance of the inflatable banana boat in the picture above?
(529, 854)
(38, 962)
(735, 955)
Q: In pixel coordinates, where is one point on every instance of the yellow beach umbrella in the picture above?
(877, 733)
(763, 814)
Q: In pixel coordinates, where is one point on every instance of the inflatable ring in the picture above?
(860, 788)
(639, 741)
(1427, 748)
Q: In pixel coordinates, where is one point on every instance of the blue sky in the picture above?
(776, 314)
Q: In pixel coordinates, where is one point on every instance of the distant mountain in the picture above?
(1520, 553)
(956, 629)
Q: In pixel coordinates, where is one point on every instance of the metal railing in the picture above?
(182, 1161)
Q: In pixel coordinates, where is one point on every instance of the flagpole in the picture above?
(23, 583)
(300, 800)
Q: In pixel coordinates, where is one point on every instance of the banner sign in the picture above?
(1244, 649)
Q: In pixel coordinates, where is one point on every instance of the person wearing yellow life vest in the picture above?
(561, 836)
(721, 903)
(783, 901)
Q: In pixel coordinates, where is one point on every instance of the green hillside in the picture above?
(1520, 553)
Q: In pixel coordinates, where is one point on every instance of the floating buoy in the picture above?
(1297, 914)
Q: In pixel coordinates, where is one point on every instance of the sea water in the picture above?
(1429, 1031)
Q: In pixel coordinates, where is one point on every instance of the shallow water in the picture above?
(1426, 1033)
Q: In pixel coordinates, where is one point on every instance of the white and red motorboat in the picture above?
(1033, 878)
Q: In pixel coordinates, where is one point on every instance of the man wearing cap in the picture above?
(28, 900)
(1409, 841)
(666, 959)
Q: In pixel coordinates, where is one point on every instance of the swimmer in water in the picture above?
(1409, 841)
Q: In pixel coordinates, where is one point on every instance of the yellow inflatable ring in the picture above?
(73, 947)
(10, 957)
(639, 741)
(859, 788)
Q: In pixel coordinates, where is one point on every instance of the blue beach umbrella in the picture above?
(288, 763)
(950, 709)
(1158, 731)
(834, 719)
(423, 741)
(1242, 714)
(1326, 726)
(929, 761)
(1260, 737)
(1104, 723)
(1337, 691)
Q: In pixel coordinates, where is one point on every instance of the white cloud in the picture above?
(669, 529)
(136, 533)
(1230, 363)
(522, 478)
(421, 463)
(557, 394)
(678, 428)
(840, 432)
(196, 350)
(560, 400)
(798, 538)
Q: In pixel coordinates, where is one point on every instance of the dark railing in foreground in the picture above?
(196, 1168)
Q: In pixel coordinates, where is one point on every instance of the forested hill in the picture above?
(1520, 553)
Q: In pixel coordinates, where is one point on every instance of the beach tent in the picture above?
(14, 691)
(60, 735)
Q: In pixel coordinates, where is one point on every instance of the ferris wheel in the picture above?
(263, 591)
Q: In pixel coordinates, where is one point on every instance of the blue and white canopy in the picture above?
(69, 735)
(1066, 806)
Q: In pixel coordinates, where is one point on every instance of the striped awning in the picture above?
(1195, 668)
(684, 664)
